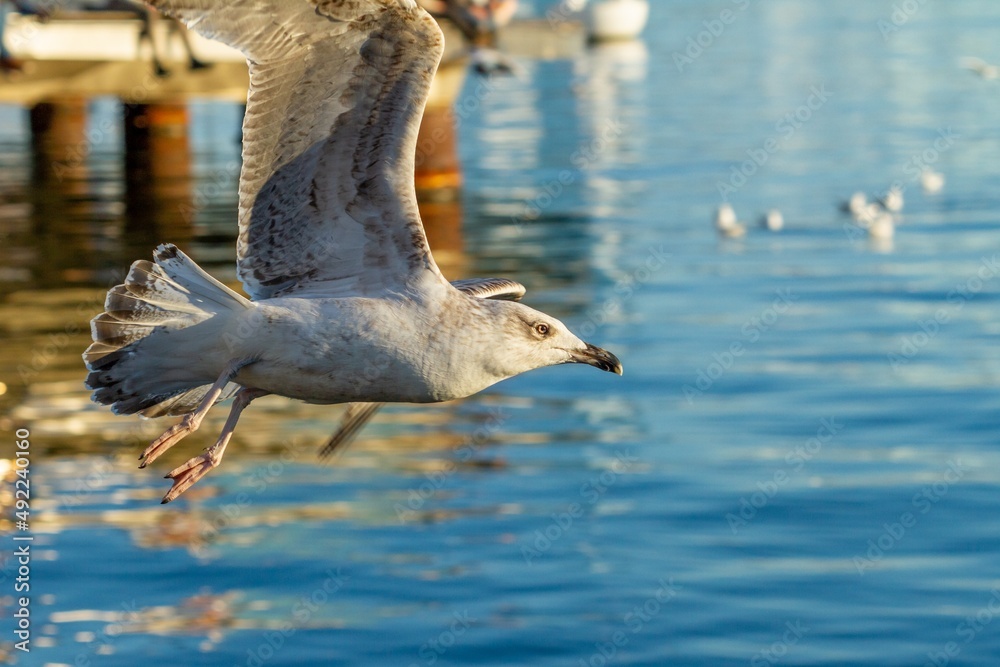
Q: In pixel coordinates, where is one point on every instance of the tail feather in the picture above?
(135, 364)
(125, 306)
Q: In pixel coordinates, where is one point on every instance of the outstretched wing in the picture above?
(337, 91)
(359, 414)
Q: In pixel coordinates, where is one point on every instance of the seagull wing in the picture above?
(359, 414)
(500, 289)
(337, 91)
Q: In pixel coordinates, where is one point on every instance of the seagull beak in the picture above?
(598, 358)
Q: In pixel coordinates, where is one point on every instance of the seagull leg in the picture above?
(186, 475)
(191, 421)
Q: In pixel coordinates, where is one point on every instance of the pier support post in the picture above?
(438, 172)
(59, 140)
(158, 172)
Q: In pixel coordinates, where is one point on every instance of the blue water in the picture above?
(798, 467)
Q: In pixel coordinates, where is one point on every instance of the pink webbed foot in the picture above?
(186, 475)
(170, 437)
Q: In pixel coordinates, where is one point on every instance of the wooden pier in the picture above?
(74, 57)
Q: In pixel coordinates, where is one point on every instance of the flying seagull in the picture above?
(347, 304)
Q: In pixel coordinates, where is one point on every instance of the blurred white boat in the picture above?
(615, 19)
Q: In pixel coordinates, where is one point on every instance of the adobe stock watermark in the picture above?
(462, 110)
(751, 332)
(302, 612)
(224, 180)
(922, 502)
(104, 641)
(591, 492)
(436, 479)
(786, 127)
(433, 649)
(911, 171)
(928, 329)
(967, 630)
(564, 11)
(698, 43)
(582, 159)
(606, 652)
(626, 287)
(915, 165)
(901, 14)
(779, 650)
(228, 514)
(795, 461)
(56, 342)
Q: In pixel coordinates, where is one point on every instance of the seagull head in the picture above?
(530, 339)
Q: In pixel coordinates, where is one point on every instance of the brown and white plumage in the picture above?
(337, 90)
(359, 414)
(348, 305)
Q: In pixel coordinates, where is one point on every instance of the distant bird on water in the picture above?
(892, 200)
(348, 305)
(881, 226)
(726, 223)
(855, 205)
(773, 220)
(979, 66)
(931, 181)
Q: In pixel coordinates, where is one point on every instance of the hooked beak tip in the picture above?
(599, 358)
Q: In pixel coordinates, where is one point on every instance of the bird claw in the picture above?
(187, 474)
(169, 438)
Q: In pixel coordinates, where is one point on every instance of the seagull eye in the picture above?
(542, 329)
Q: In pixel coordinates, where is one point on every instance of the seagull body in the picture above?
(882, 226)
(726, 223)
(422, 358)
(347, 304)
(868, 213)
(979, 66)
(773, 221)
(931, 181)
(855, 205)
(892, 200)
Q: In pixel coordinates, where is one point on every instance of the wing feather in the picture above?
(500, 289)
(337, 91)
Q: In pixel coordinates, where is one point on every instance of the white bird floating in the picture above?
(931, 181)
(726, 223)
(773, 221)
(892, 200)
(878, 222)
(882, 226)
(979, 66)
(856, 204)
(347, 303)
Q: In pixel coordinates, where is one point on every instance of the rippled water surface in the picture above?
(799, 466)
